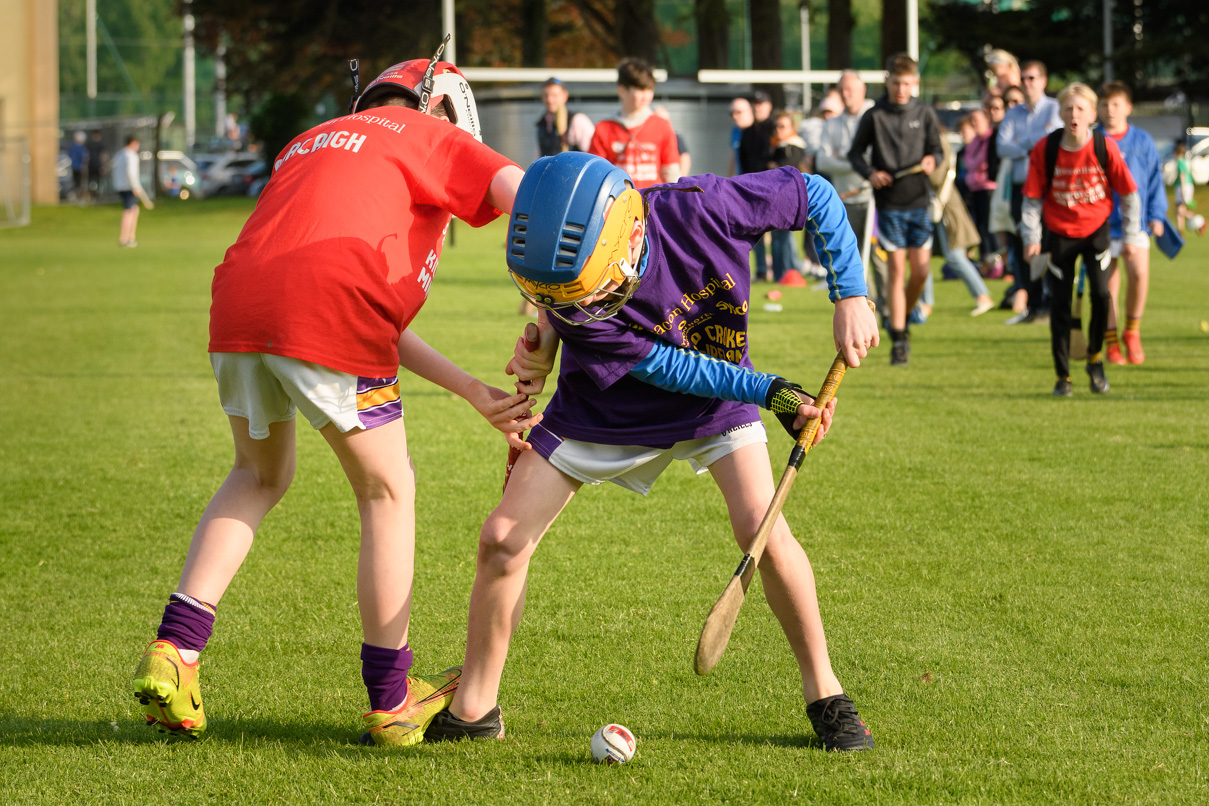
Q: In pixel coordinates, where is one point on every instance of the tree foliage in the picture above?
(1068, 38)
(146, 36)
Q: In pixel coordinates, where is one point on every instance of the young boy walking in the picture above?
(1067, 202)
(638, 141)
(1146, 168)
(905, 137)
(310, 312)
(651, 307)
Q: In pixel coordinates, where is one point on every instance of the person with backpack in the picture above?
(1068, 198)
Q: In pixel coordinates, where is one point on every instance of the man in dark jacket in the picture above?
(755, 154)
(905, 139)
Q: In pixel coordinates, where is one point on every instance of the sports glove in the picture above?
(783, 401)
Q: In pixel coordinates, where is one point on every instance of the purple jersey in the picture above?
(694, 294)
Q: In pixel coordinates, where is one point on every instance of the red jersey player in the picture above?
(310, 312)
(1067, 202)
(638, 141)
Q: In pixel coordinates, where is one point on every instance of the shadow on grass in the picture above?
(17, 731)
(752, 739)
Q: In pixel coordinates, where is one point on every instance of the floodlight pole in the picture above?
(451, 50)
(90, 38)
(805, 17)
(190, 99)
(220, 87)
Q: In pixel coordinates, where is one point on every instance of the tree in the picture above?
(839, 34)
(767, 51)
(894, 28)
(624, 27)
(1068, 37)
(713, 34)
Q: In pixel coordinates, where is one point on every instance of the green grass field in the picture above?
(1014, 586)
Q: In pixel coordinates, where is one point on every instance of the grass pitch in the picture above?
(1014, 586)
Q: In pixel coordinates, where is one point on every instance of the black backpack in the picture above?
(1052, 142)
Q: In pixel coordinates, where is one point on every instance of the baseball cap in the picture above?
(831, 104)
(552, 80)
(760, 97)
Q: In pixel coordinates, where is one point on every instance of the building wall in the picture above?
(29, 87)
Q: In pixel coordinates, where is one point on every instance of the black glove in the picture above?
(783, 401)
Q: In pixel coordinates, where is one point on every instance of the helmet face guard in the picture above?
(569, 237)
(447, 84)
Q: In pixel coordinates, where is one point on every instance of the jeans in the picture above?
(784, 255)
(959, 263)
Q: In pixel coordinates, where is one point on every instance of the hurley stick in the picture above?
(531, 339)
(721, 619)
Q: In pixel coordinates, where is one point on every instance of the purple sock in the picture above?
(187, 622)
(385, 674)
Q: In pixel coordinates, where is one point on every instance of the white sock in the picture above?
(189, 655)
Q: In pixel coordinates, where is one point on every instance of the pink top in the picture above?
(974, 158)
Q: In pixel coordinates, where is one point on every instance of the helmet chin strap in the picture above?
(426, 82)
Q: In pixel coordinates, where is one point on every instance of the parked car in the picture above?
(180, 177)
(257, 177)
(223, 175)
(1198, 157)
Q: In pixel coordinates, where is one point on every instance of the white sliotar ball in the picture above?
(613, 744)
(1198, 221)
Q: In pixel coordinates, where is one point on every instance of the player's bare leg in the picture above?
(918, 257)
(537, 492)
(385, 488)
(896, 269)
(259, 478)
(130, 222)
(745, 479)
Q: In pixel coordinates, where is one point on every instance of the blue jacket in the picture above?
(1142, 157)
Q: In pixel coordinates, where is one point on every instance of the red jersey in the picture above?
(1080, 197)
(340, 252)
(640, 151)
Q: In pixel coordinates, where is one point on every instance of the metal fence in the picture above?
(14, 181)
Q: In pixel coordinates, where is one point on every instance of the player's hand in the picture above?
(880, 179)
(532, 366)
(1031, 250)
(794, 407)
(1156, 229)
(808, 411)
(928, 163)
(511, 415)
(855, 328)
(150, 205)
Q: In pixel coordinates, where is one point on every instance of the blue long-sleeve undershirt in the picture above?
(834, 240)
(676, 369)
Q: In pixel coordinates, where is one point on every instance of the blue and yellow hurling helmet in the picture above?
(564, 249)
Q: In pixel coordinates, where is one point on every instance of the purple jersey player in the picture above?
(649, 295)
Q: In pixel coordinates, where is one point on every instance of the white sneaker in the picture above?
(982, 308)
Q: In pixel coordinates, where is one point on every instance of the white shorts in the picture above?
(636, 468)
(265, 389)
(1141, 239)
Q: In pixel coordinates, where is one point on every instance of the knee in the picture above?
(274, 481)
(502, 548)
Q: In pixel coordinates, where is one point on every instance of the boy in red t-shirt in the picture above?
(637, 140)
(1067, 215)
(310, 312)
